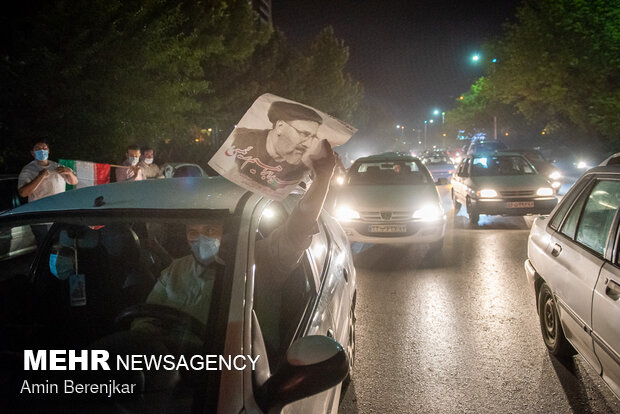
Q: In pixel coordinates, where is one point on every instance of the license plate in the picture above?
(387, 228)
(520, 204)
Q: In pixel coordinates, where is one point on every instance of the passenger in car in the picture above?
(188, 282)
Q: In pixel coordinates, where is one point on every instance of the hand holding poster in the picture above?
(271, 149)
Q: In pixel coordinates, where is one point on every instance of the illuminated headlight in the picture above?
(345, 213)
(340, 180)
(555, 175)
(487, 193)
(457, 160)
(582, 165)
(556, 184)
(429, 212)
(544, 191)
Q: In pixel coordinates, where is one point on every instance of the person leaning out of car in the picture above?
(41, 178)
(187, 283)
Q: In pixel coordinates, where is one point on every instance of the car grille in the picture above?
(385, 215)
(517, 193)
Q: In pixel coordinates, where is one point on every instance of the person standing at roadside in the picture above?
(130, 170)
(42, 178)
(149, 168)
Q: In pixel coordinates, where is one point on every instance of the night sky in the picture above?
(411, 56)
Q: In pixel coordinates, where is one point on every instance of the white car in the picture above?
(573, 267)
(118, 239)
(391, 199)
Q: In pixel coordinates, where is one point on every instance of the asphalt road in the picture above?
(459, 333)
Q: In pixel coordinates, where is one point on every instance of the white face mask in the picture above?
(133, 160)
(148, 161)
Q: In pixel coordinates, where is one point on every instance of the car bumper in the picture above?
(530, 273)
(416, 232)
(507, 207)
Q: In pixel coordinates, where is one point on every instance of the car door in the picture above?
(575, 258)
(606, 304)
(458, 181)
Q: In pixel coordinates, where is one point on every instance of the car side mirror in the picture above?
(313, 364)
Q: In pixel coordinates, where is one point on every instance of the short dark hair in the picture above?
(133, 147)
(38, 141)
(288, 111)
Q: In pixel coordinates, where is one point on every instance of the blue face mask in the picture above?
(61, 266)
(41, 155)
(205, 249)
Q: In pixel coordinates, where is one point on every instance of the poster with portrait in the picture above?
(269, 151)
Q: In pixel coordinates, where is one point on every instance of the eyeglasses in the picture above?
(305, 134)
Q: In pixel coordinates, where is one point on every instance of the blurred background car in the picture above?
(544, 166)
(481, 147)
(391, 198)
(573, 268)
(17, 240)
(182, 169)
(440, 166)
(503, 183)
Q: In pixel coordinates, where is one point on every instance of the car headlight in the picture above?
(555, 175)
(487, 193)
(544, 191)
(556, 184)
(346, 213)
(340, 180)
(429, 212)
(582, 165)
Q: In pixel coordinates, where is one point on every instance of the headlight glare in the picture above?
(346, 213)
(544, 191)
(488, 193)
(428, 212)
(555, 175)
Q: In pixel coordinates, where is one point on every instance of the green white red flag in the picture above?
(88, 173)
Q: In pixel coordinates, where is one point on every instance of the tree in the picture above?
(560, 64)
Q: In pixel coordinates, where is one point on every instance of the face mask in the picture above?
(41, 155)
(61, 266)
(205, 249)
(133, 160)
(148, 160)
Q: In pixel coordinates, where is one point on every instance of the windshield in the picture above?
(501, 165)
(436, 160)
(140, 286)
(388, 173)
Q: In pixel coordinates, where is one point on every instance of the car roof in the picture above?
(605, 169)
(508, 153)
(211, 193)
(387, 156)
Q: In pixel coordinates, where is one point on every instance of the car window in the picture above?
(438, 160)
(598, 215)
(115, 284)
(395, 172)
(501, 165)
(570, 224)
(284, 285)
(319, 249)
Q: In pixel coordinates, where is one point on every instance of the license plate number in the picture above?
(387, 228)
(520, 204)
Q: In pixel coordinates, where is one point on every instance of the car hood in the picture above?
(513, 182)
(387, 197)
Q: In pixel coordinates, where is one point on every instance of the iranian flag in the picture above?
(88, 173)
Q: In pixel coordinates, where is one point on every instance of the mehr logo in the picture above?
(63, 360)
